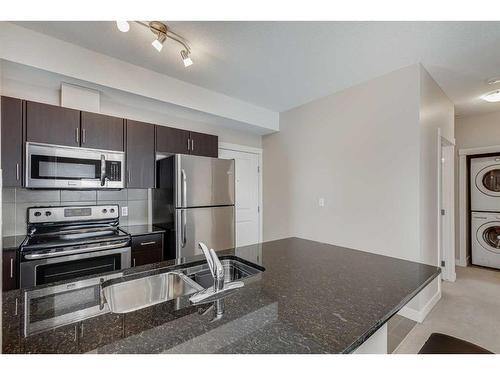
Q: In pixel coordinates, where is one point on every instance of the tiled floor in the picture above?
(398, 328)
(469, 309)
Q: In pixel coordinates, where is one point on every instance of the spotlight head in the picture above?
(186, 59)
(123, 26)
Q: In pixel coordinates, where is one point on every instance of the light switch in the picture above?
(321, 202)
(125, 211)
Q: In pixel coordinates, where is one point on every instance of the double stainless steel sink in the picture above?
(126, 295)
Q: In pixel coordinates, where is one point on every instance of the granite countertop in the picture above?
(12, 242)
(311, 298)
(137, 230)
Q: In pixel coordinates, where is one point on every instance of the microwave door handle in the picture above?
(103, 170)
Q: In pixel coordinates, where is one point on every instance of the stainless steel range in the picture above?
(72, 241)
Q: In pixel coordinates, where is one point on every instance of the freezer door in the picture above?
(213, 226)
(203, 181)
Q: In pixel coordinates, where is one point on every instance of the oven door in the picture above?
(53, 269)
(54, 306)
(51, 166)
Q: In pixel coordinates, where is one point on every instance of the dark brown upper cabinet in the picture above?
(140, 154)
(204, 144)
(102, 132)
(171, 140)
(12, 141)
(52, 124)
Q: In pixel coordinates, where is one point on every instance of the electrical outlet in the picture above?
(321, 202)
(125, 211)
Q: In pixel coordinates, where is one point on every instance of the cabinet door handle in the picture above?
(17, 171)
(188, 144)
(133, 262)
(128, 176)
(76, 332)
(148, 243)
(16, 309)
(81, 331)
(84, 137)
(77, 135)
(11, 268)
(192, 144)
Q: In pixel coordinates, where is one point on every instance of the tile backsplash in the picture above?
(16, 201)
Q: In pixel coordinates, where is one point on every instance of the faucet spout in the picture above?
(217, 271)
(215, 266)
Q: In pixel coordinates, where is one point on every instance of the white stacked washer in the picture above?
(485, 207)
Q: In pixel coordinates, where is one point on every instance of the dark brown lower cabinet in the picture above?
(62, 340)
(147, 249)
(12, 307)
(9, 269)
(99, 331)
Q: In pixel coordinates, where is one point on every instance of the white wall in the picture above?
(359, 150)
(39, 85)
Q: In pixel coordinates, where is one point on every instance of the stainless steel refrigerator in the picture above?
(194, 201)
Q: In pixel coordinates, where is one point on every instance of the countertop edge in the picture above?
(356, 344)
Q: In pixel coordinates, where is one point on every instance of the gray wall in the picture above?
(16, 202)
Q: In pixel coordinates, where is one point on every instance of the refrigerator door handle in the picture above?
(183, 228)
(184, 188)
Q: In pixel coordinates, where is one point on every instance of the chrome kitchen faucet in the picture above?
(217, 271)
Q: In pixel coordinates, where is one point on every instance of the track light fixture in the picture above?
(161, 33)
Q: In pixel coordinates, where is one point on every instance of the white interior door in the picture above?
(247, 173)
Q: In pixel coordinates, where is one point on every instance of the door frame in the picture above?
(446, 202)
(463, 180)
(251, 150)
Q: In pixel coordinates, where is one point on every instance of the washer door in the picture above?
(488, 180)
(488, 235)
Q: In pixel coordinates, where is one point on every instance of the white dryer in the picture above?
(485, 184)
(485, 238)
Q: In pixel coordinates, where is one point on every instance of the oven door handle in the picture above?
(76, 251)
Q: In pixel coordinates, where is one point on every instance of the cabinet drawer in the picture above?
(147, 242)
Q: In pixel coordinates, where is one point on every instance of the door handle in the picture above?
(188, 144)
(148, 243)
(183, 228)
(192, 144)
(17, 171)
(103, 170)
(84, 137)
(184, 188)
(77, 135)
(11, 268)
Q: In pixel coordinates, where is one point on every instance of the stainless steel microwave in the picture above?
(64, 167)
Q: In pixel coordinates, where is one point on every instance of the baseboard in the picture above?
(419, 315)
(461, 262)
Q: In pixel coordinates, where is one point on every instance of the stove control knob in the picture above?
(38, 213)
(112, 210)
(104, 210)
(48, 213)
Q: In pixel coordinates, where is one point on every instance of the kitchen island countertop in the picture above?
(311, 298)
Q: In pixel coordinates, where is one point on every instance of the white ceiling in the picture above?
(280, 65)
